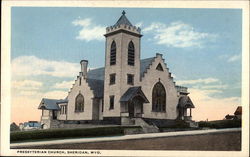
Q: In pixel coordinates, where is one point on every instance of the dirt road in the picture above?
(230, 141)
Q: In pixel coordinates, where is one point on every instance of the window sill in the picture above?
(158, 111)
(79, 111)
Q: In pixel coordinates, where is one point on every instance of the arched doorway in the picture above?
(135, 107)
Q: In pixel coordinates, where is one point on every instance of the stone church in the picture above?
(126, 90)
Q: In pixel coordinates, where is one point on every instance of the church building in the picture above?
(126, 90)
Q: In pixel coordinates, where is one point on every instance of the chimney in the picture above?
(84, 66)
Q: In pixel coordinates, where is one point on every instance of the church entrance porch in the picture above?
(132, 105)
(135, 107)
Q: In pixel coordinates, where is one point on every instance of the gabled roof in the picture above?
(51, 104)
(123, 20)
(133, 92)
(238, 111)
(185, 102)
(97, 86)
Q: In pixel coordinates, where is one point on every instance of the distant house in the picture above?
(237, 114)
(30, 125)
(229, 117)
(14, 127)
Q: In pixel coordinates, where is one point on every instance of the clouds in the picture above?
(64, 85)
(205, 81)
(33, 66)
(178, 34)
(139, 24)
(234, 58)
(89, 31)
(211, 86)
(27, 85)
(231, 58)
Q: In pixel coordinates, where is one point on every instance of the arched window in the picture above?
(159, 98)
(79, 103)
(131, 53)
(113, 53)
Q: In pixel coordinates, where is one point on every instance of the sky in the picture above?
(201, 47)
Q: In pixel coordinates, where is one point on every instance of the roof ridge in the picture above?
(123, 20)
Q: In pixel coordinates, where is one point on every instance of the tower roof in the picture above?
(123, 20)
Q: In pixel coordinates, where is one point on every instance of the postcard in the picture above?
(121, 78)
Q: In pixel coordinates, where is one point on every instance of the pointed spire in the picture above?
(123, 20)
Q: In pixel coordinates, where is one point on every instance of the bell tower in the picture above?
(122, 63)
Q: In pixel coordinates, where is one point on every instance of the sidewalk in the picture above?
(125, 137)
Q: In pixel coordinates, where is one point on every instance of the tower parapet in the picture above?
(125, 27)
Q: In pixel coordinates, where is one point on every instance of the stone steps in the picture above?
(145, 126)
(54, 124)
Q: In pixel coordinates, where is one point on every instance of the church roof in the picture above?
(97, 74)
(123, 20)
(51, 104)
(145, 63)
(131, 93)
(185, 102)
(97, 86)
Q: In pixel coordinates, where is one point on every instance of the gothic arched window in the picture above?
(79, 103)
(113, 53)
(131, 53)
(158, 98)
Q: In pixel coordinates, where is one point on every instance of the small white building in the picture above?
(30, 125)
(127, 88)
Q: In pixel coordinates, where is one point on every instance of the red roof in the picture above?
(238, 111)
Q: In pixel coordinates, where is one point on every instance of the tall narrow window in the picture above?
(102, 104)
(79, 103)
(63, 109)
(111, 102)
(131, 53)
(112, 79)
(130, 79)
(159, 98)
(113, 53)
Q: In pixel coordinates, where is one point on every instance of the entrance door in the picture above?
(138, 107)
(135, 107)
(54, 115)
(131, 109)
